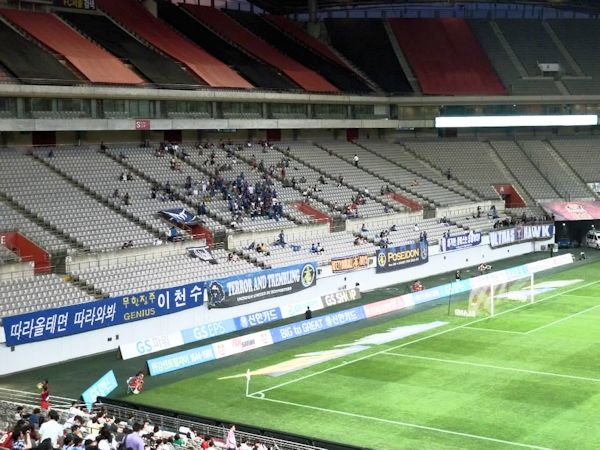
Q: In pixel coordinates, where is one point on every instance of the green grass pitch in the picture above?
(528, 377)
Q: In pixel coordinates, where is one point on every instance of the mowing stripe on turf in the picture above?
(404, 424)
(439, 333)
(563, 319)
(495, 330)
(490, 366)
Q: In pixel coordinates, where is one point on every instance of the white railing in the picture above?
(173, 424)
(380, 222)
(32, 399)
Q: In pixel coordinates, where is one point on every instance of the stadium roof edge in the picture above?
(301, 6)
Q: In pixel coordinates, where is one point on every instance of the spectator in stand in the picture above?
(133, 440)
(76, 443)
(355, 159)
(19, 413)
(207, 442)
(281, 239)
(230, 443)
(51, 429)
(21, 438)
(75, 410)
(104, 440)
(173, 235)
(34, 418)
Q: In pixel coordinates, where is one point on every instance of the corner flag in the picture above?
(247, 382)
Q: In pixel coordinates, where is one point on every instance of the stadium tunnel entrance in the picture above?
(572, 233)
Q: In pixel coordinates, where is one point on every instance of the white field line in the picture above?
(495, 330)
(439, 333)
(563, 319)
(403, 424)
(490, 366)
(581, 296)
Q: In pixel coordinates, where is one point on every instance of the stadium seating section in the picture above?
(29, 62)
(138, 20)
(190, 45)
(235, 32)
(71, 200)
(253, 69)
(337, 195)
(337, 74)
(153, 65)
(367, 44)
(446, 58)
(93, 62)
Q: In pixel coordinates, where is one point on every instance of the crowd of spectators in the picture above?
(44, 430)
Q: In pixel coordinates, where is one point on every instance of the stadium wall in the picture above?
(43, 353)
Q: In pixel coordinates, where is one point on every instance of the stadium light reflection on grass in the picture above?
(516, 121)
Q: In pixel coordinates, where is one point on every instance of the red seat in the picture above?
(208, 68)
(446, 58)
(93, 62)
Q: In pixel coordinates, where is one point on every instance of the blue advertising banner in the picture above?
(181, 360)
(321, 323)
(402, 256)
(208, 330)
(521, 233)
(59, 322)
(258, 318)
(255, 286)
(100, 388)
(460, 241)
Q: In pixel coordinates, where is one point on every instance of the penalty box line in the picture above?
(494, 367)
(439, 333)
(399, 423)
